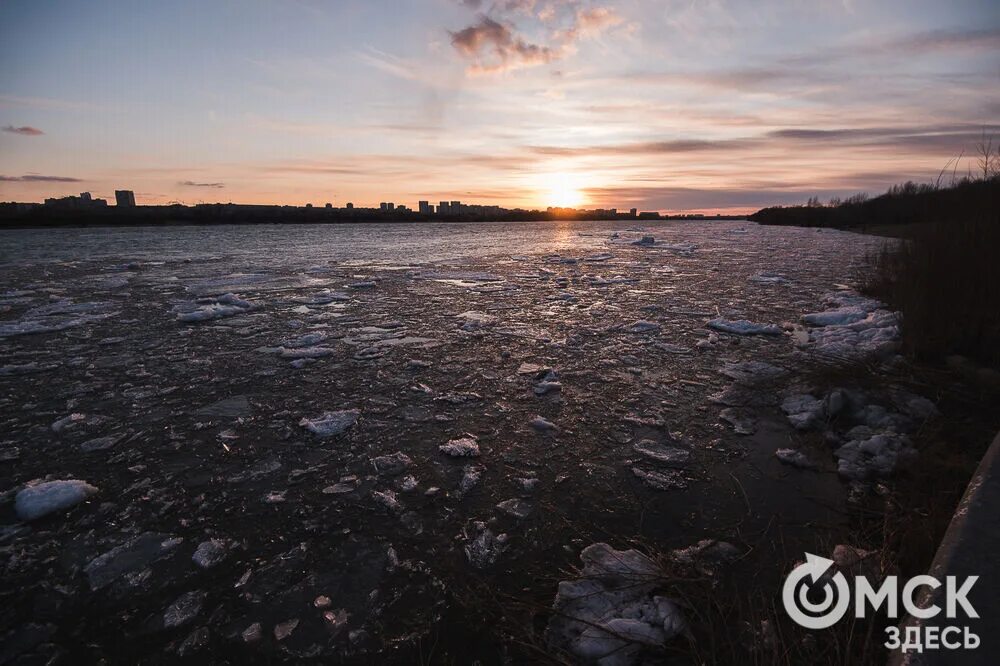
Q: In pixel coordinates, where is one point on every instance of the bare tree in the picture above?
(988, 162)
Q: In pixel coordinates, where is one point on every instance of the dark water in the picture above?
(427, 345)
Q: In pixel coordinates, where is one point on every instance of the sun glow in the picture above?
(562, 190)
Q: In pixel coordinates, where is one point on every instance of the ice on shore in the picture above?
(876, 456)
(803, 410)
(331, 423)
(854, 325)
(41, 499)
(207, 309)
(743, 327)
(612, 613)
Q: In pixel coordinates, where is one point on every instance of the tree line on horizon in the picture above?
(974, 195)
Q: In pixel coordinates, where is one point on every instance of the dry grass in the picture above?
(945, 281)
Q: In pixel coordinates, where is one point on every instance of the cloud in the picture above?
(35, 178)
(590, 21)
(929, 139)
(493, 47)
(644, 148)
(191, 183)
(694, 198)
(27, 130)
(494, 44)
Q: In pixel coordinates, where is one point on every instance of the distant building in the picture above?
(82, 201)
(349, 206)
(425, 208)
(455, 208)
(633, 212)
(444, 208)
(125, 198)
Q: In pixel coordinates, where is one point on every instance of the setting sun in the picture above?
(562, 190)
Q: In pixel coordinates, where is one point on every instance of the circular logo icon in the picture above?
(806, 580)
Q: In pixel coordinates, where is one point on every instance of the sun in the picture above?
(562, 191)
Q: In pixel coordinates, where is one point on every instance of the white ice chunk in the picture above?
(331, 423)
(794, 458)
(207, 309)
(462, 447)
(743, 327)
(611, 612)
(42, 499)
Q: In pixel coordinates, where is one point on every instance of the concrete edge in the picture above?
(970, 547)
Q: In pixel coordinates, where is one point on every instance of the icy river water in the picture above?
(313, 441)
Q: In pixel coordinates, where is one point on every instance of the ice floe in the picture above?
(666, 455)
(210, 553)
(769, 278)
(644, 327)
(464, 447)
(794, 458)
(516, 508)
(57, 316)
(743, 327)
(129, 558)
(41, 499)
(207, 309)
(483, 548)
(331, 423)
(668, 479)
(392, 464)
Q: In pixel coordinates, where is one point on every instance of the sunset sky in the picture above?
(669, 105)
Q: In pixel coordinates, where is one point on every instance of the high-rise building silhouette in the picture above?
(125, 198)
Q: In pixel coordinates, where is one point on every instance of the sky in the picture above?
(670, 105)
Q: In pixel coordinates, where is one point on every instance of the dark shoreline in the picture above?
(15, 216)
